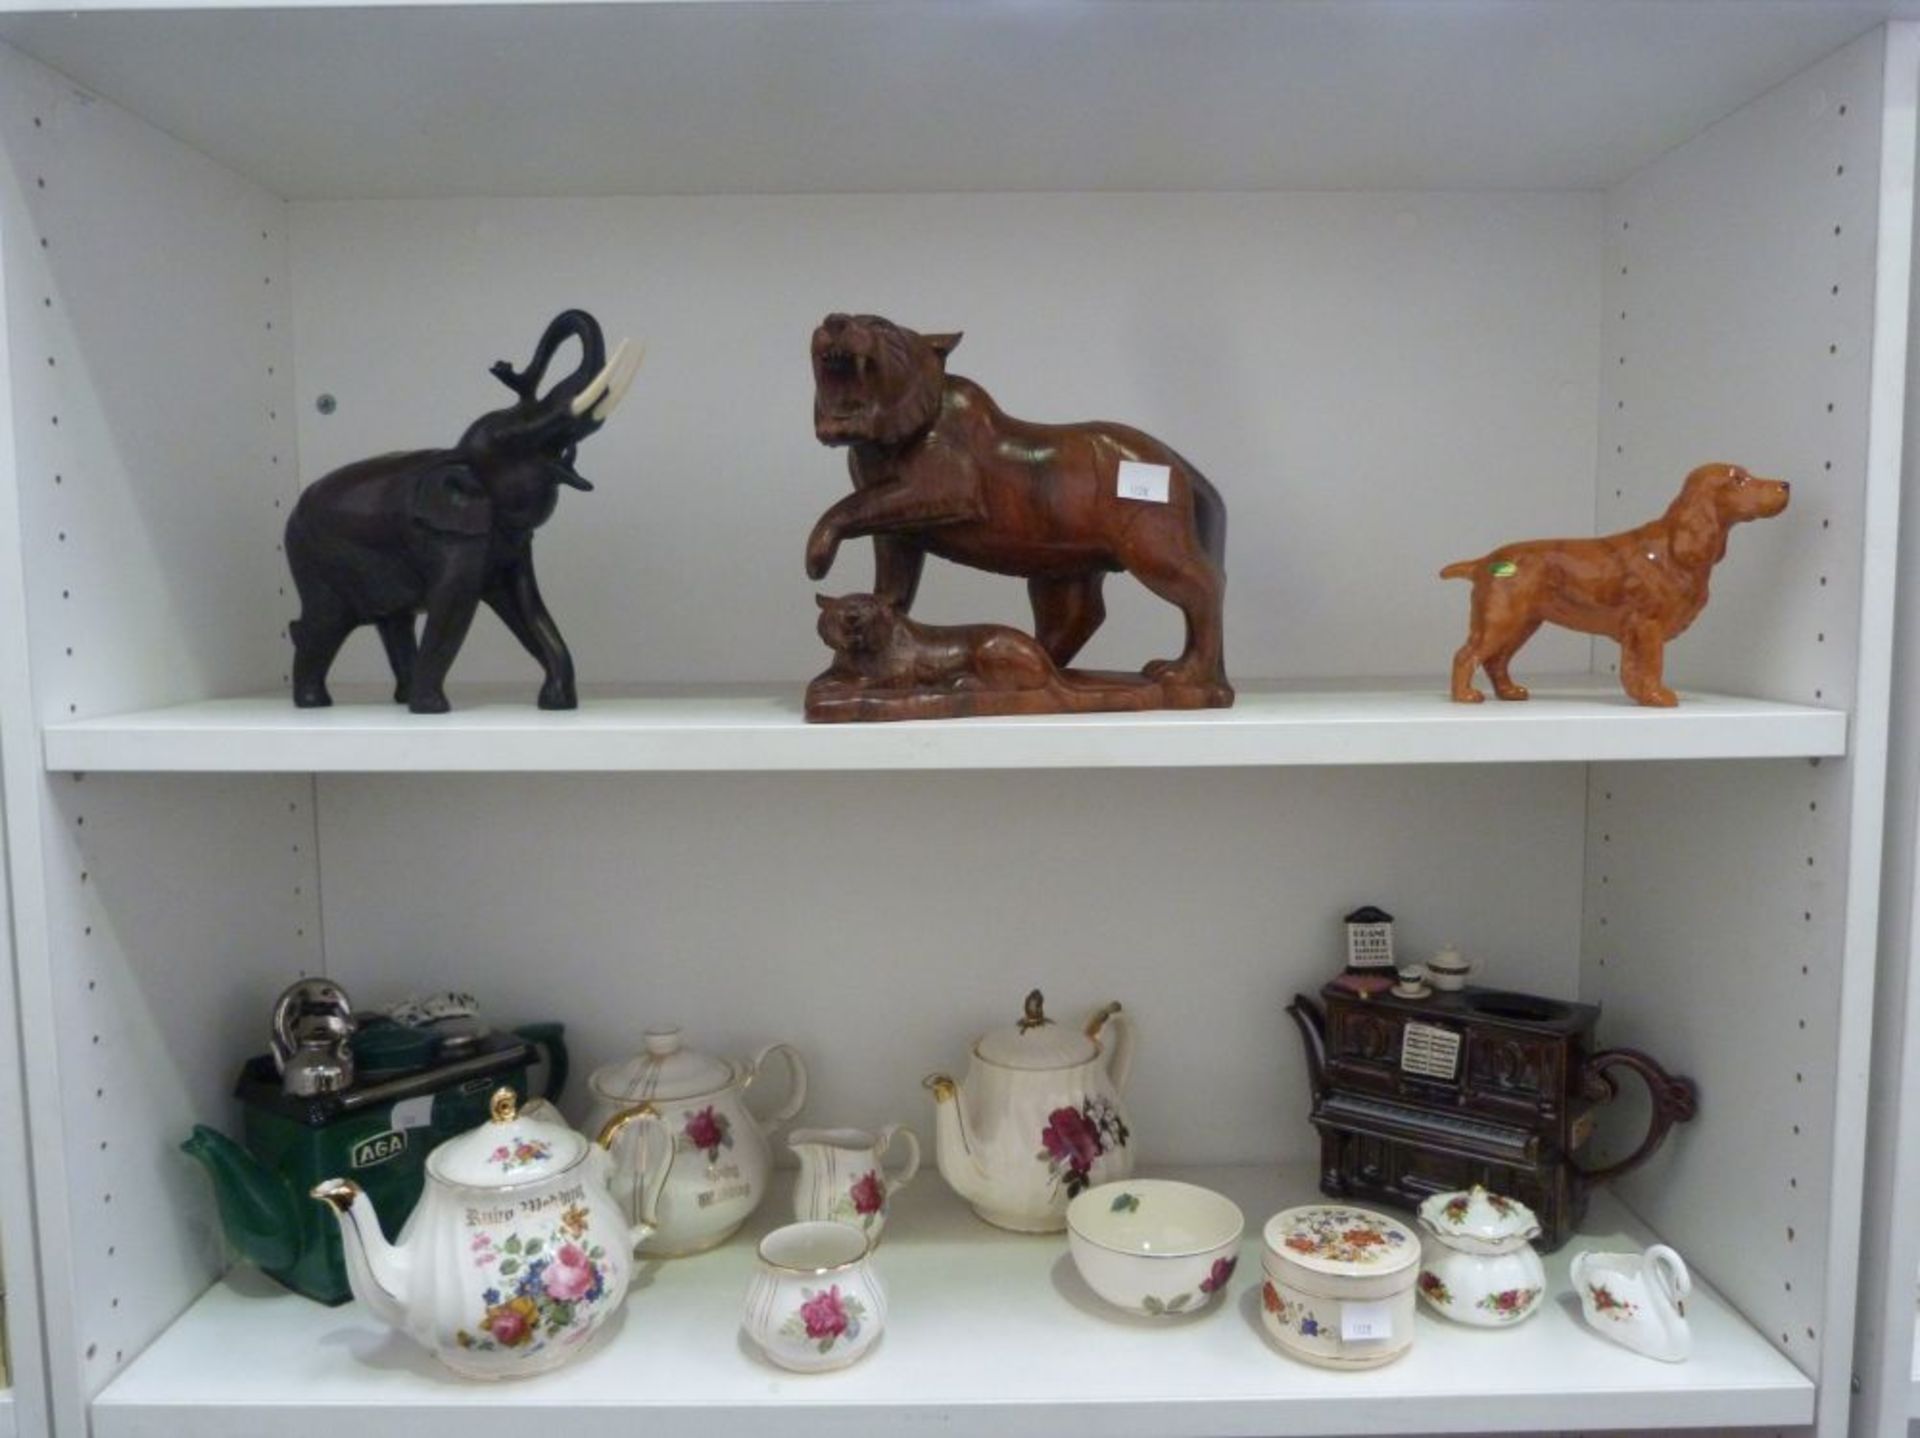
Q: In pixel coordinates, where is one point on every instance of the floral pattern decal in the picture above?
(1288, 1313)
(1344, 1235)
(865, 1201)
(707, 1130)
(545, 1283)
(1455, 1211)
(825, 1317)
(1510, 1303)
(1215, 1280)
(521, 1153)
(1618, 1309)
(1075, 1138)
(1125, 1203)
(1436, 1291)
(1218, 1275)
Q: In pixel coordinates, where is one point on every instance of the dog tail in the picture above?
(1463, 570)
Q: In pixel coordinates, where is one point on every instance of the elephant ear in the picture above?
(449, 498)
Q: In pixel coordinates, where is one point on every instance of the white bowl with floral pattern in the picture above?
(1154, 1246)
(815, 1302)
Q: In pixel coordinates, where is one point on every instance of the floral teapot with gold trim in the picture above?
(517, 1253)
(725, 1162)
(1038, 1117)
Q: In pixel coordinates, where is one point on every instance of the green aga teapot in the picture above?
(411, 1088)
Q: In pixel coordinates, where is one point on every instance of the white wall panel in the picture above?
(1378, 384)
(881, 922)
(1756, 311)
(1738, 320)
(151, 456)
(153, 446)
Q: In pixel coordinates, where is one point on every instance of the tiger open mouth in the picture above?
(840, 379)
(843, 397)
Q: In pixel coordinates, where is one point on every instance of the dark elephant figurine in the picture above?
(442, 530)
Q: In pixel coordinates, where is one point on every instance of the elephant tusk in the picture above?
(626, 366)
(590, 396)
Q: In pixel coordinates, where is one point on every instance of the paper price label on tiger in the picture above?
(1144, 481)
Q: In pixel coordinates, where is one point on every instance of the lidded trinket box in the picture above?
(1338, 1286)
(1478, 1265)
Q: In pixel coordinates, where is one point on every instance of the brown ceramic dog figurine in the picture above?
(1641, 588)
(886, 665)
(939, 469)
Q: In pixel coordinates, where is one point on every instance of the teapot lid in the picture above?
(1036, 1042)
(510, 1149)
(665, 1071)
(1475, 1213)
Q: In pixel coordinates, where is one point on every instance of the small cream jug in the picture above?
(1637, 1299)
(724, 1164)
(516, 1254)
(843, 1178)
(1037, 1118)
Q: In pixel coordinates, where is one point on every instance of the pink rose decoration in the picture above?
(1217, 1278)
(569, 1276)
(508, 1324)
(824, 1315)
(706, 1129)
(1071, 1139)
(869, 1194)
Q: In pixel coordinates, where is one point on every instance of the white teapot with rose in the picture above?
(725, 1165)
(1038, 1118)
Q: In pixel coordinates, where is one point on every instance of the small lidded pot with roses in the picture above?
(815, 1302)
(723, 1164)
(1477, 1264)
(1037, 1120)
(516, 1255)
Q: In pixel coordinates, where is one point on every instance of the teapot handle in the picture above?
(644, 1220)
(796, 1094)
(1675, 1100)
(889, 1135)
(1120, 1057)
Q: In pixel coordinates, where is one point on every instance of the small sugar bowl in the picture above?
(815, 1302)
(1477, 1264)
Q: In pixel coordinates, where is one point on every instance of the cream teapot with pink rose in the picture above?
(1038, 1117)
(516, 1254)
(724, 1164)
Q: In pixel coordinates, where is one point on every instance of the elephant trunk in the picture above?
(569, 324)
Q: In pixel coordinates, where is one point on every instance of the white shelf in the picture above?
(988, 1333)
(330, 101)
(761, 728)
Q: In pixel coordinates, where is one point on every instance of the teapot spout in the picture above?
(959, 1164)
(376, 1270)
(1313, 1033)
(257, 1208)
